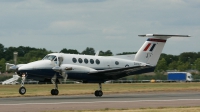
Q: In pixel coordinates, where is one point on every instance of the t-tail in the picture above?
(150, 51)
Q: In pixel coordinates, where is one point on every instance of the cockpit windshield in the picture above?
(49, 57)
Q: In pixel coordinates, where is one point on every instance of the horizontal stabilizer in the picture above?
(162, 35)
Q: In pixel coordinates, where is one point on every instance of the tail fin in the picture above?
(150, 51)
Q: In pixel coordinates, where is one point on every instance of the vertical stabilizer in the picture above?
(152, 48)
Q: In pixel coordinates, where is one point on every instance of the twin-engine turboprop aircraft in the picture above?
(55, 67)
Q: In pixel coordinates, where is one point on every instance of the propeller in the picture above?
(58, 68)
(14, 68)
(10, 66)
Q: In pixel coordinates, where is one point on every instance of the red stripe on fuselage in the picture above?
(156, 40)
(147, 47)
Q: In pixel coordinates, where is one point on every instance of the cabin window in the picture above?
(86, 60)
(91, 61)
(116, 63)
(97, 62)
(74, 60)
(80, 60)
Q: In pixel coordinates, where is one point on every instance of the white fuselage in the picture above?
(80, 65)
(96, 62)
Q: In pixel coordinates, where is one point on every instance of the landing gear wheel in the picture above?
(98, 93)
(22, 90)
(54, 92)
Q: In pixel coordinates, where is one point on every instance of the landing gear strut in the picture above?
(54, 91)
(22, 89)
(99, 93)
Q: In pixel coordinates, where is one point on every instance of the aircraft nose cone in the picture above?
(36, 65)
(25, 67)
(22, 68)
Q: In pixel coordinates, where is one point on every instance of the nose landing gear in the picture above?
(22, 89)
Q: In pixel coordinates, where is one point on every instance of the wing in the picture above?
(122, 72)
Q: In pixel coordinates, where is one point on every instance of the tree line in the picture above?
(182, 62)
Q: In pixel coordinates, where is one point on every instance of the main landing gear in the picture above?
(99, 93)
(54, 91)
(22, 89)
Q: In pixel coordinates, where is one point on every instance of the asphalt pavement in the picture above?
(90, 102)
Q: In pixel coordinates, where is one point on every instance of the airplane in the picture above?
(55, 67)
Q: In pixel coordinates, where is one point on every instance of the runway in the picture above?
(90, 102)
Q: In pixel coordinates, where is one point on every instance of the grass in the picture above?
(78, 89)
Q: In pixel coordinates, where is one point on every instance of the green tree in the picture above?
(188, 57)
(197, 64)
(173, 65)
(8, 54)
(161, 66)
(1, 51)
(23, 50)
(183, 66)
(89, 51)
(107, 53)
(2, 65)
(70, 51)
(169, 58)
(35, 55)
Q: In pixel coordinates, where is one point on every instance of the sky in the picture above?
(101, 24)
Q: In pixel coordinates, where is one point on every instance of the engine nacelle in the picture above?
(76, 68)
(64, 69)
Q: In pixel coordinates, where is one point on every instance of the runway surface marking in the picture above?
(102, 102)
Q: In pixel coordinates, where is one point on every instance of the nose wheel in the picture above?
(22, 89)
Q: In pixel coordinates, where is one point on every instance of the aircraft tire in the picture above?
(22, 90)
(54, 92)
(98, 93)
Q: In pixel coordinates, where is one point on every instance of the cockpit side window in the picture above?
(50, 57)
(55, 59)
